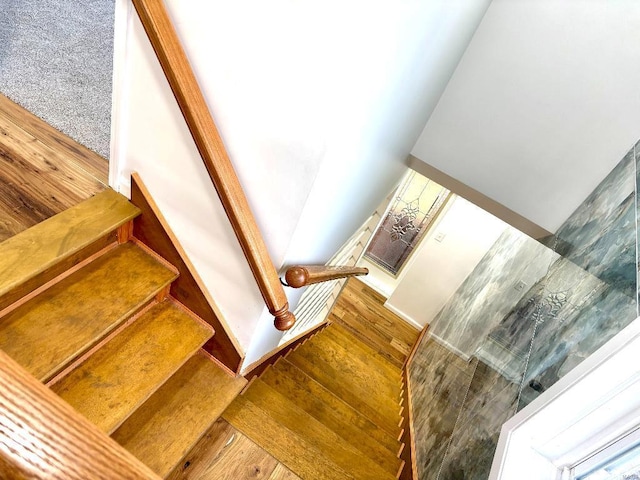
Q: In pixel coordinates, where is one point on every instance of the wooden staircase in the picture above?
(329, 409)
(86, 309)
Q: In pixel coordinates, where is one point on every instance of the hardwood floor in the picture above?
(42, 171)
(226, 454)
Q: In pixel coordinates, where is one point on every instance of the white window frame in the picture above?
(588, 409)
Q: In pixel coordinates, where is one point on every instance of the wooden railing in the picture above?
(303, 275)
(184, 85)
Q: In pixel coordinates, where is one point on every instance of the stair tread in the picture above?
(163, 430)
(73, 315)
(33, 251)
(363, 352)
(331, 412)
(381, 391)
(363, 298)
(338, 450)
(340, 385)
(287, 447)
(123, 374)
(339, 407)
(358, 328)
(342, 330)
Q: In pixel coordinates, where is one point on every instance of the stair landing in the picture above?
(42, 171)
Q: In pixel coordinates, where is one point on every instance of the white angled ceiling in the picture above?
(544, 103)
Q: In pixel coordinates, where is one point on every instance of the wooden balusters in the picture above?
(184, 85)
(302, 275)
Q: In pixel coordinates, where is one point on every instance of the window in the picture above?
(415, 206)
(579, 428)
(618, 461)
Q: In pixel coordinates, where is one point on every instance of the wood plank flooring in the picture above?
(224, 453)
(42, 171)
(361, 311)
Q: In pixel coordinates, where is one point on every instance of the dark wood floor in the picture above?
(42, 171)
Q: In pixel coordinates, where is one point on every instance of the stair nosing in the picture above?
(30, 236)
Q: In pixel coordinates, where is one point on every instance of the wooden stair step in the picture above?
(123, 374)
(224, 453)
(287, 447)
(358, 327)
(341, 409)
(380, 390)
(325, 440)
(363, 352)
(365, 299)
(36, 251)
(368, 307)
(339, 384)
(76, 313)
(332, 413)
(165, 428)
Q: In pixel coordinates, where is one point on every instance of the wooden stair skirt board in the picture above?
(88, 309)
(326, 410)
(152, 229)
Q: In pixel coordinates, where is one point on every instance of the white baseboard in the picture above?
(403, 315)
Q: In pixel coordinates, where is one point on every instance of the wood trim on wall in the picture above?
(410, 471)
(481, 200)
(152, 229)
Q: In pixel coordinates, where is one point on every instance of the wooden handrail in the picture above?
(43, 437)
(174, 62)
(302, 275)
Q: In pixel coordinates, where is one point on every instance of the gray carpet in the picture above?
(56, 60)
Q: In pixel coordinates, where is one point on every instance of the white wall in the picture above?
(380, 280)
(542, 106)
(319, 104)
(439, 267)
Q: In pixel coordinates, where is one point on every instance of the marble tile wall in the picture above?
(440, 381)
(636, 149)
(525, 317)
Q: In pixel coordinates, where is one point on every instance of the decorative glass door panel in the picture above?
(413, 209)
